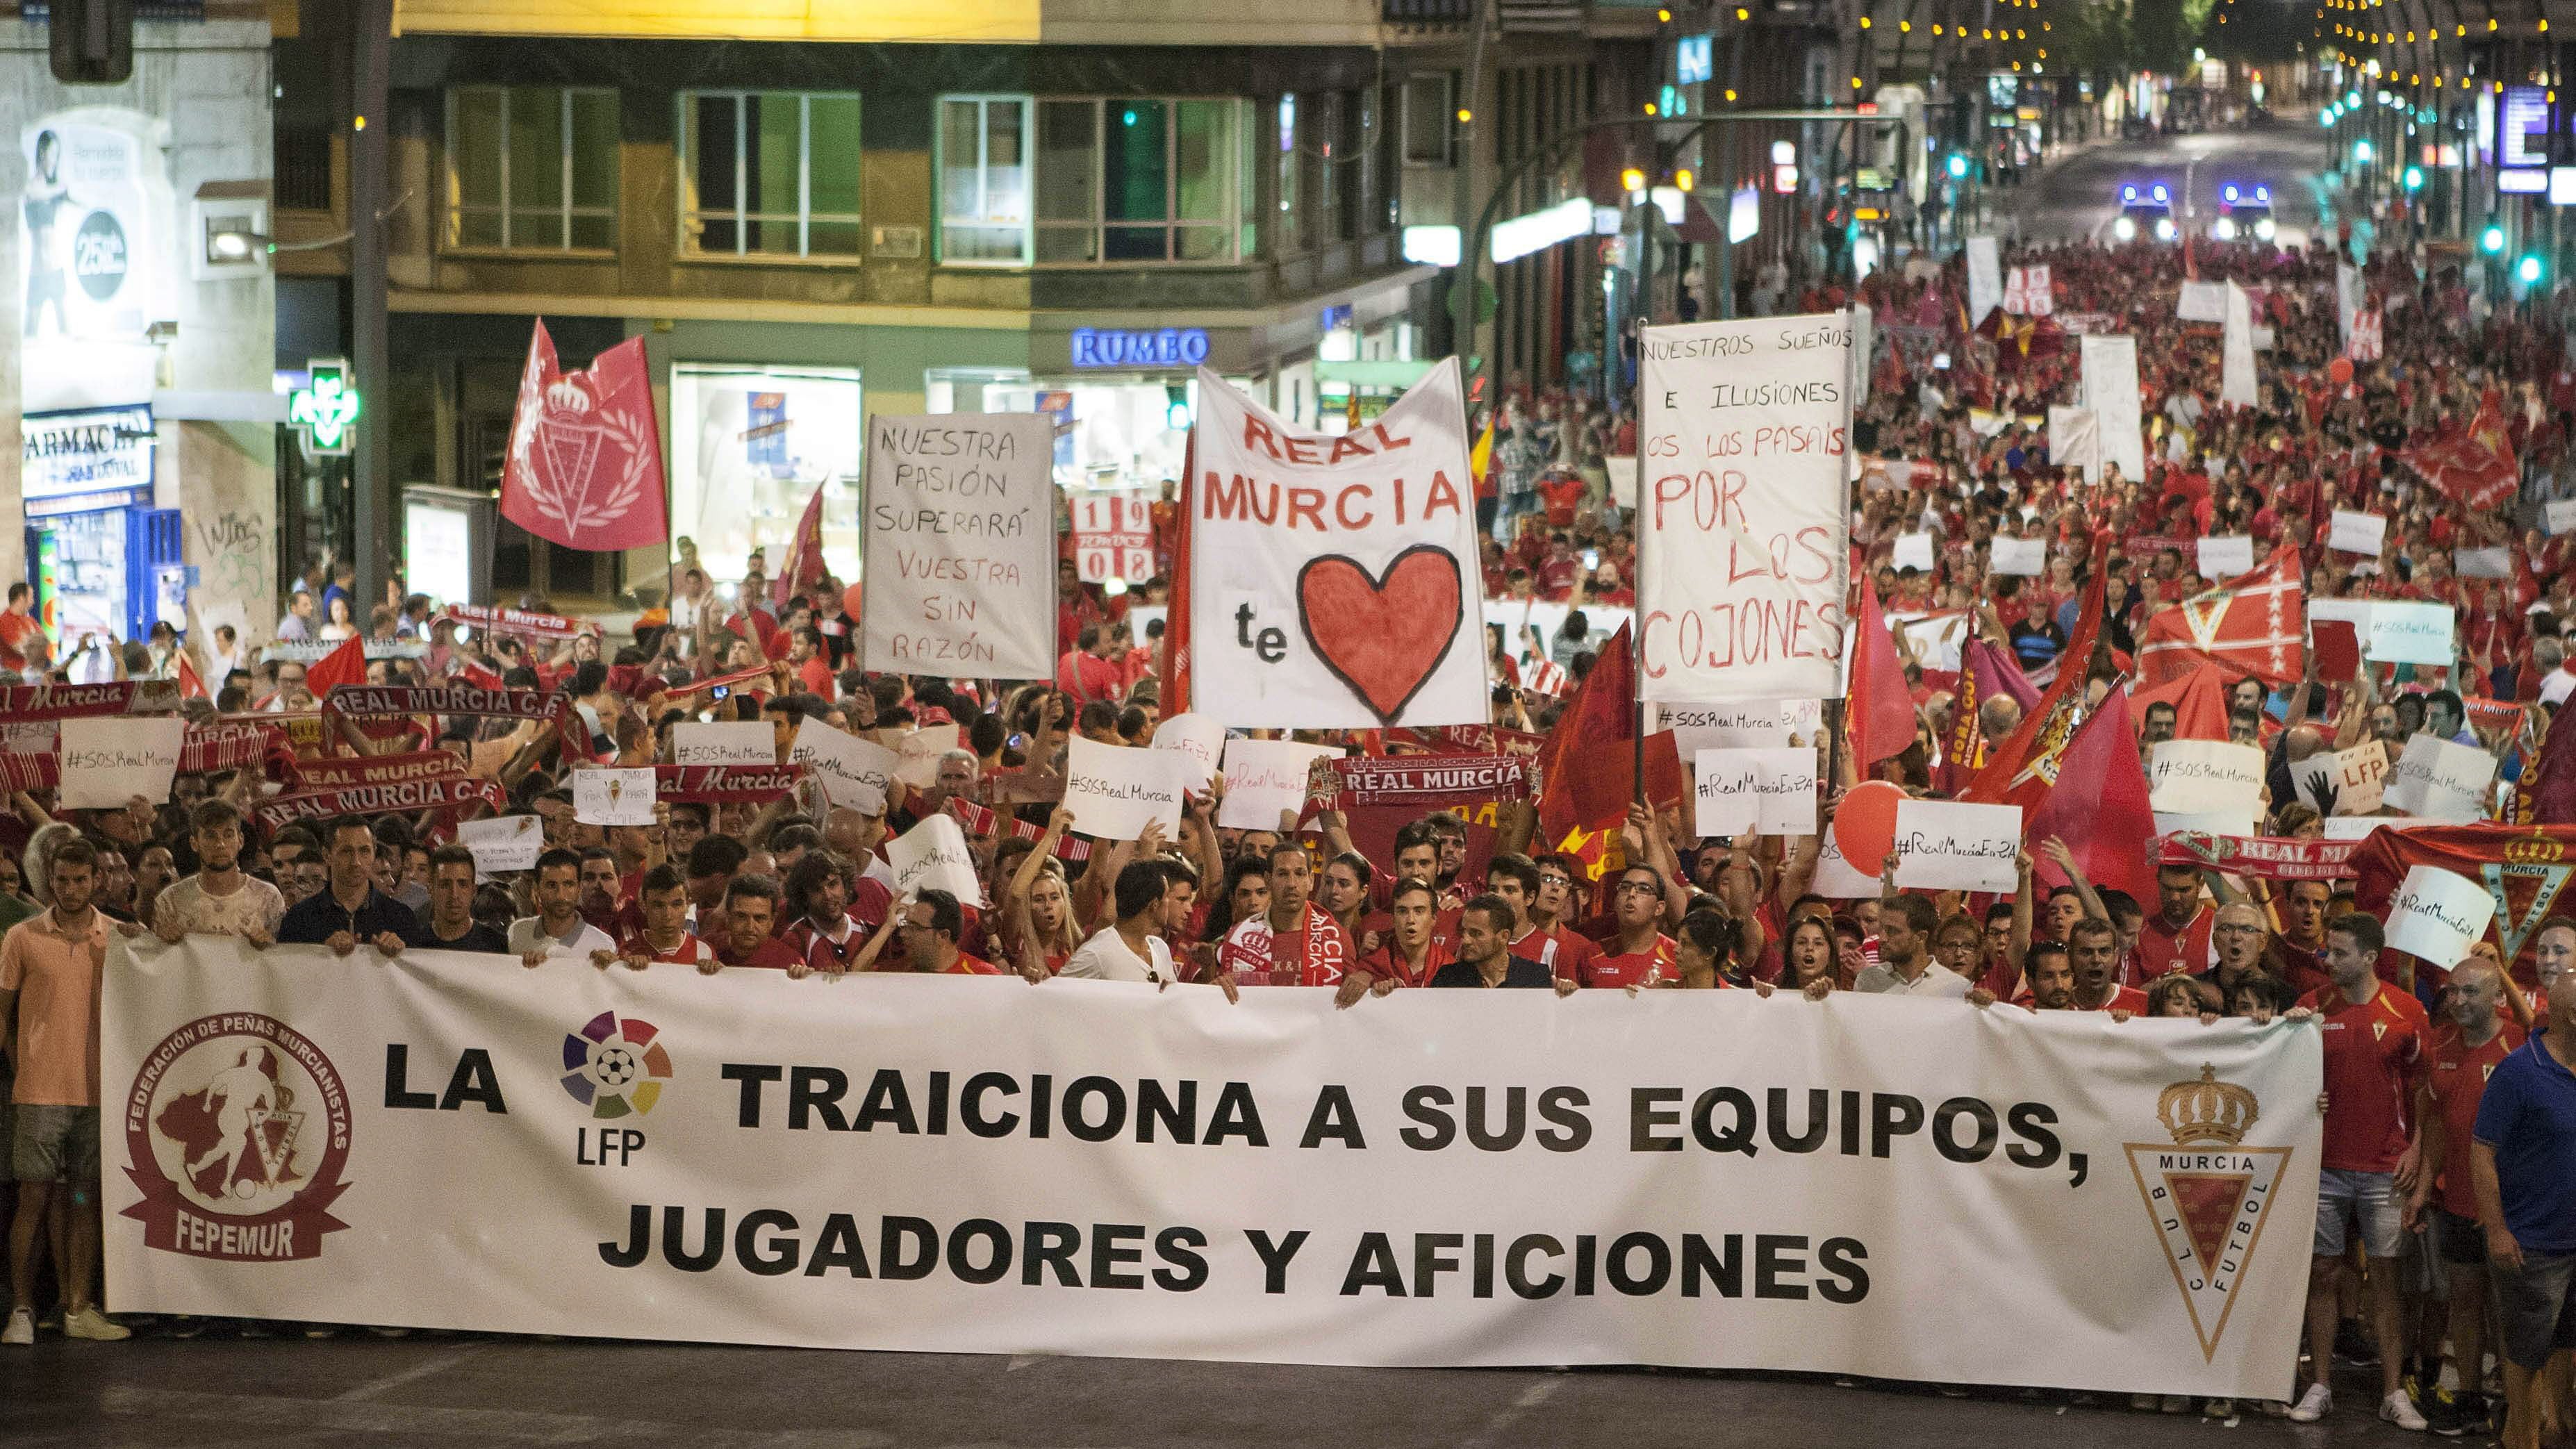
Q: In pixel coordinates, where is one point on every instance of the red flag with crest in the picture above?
(2474, 467)
(585, 463)
(2252, 624)
(2021, 770)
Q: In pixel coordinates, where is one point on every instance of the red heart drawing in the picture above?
(1383, 638)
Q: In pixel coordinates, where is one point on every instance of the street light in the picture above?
(1958, 166)
(2361, 151)
(2491, 241)
(2528, 269)
(2414, 178)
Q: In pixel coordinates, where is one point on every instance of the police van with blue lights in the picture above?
(2145, 211)
(2244, 213)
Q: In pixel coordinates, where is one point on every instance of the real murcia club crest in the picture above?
(2207, 1194)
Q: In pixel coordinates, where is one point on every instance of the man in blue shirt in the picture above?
(350, 912)
(2524, 1168)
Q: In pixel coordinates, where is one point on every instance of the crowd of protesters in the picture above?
(2447, 1224)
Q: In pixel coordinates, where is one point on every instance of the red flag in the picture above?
(2251, 624)
(1175, 698)
(585, 462)
(2551, 788)
(2021, 769)
(192, 685)
(2199, 700)
(2474, 467)
(2099, 805)
(344, 665)
(1879, 710)
(1588, 766)
(804, 554)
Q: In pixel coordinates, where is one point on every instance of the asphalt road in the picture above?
(2080, 196)
(288, 1393)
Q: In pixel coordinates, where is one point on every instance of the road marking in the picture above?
(516, 1426)
(421, 1370)
(1513, 1412)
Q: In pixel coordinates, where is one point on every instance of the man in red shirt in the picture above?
(2374, 1048)
(751, 908)
(1639, 955)
(665, 936)
(2176, 936)
(2464, 1054)
(2093, 950)
(16, 625)
(821, 933)
(931, 927)
(1085, 672)
(2298, 944)
(1551, 910)
(1412, 954)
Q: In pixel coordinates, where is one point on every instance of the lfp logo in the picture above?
(616, 1069)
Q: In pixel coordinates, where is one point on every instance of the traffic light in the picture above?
(2414, 178)
(2361, 152)
(2491, 241)
(92, 41)
(1958, 166)
(2529, 268)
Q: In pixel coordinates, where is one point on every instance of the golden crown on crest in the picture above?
(2207, 1112)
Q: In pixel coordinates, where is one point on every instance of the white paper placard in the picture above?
(933, 856)
(2441, 781)
(2238, 820)
(2023, 556)
(504, 843)
(2352, 780)
(917, 752)
(727, 742)
(959, 532)
(2560, 515)
(2189, 776)
(613, 797)
(1837, 880)
(2226, 555)
(1623, 479)
(1985, 278)
(2358, 827)
(1948, 846)
(856, 773)
(108, 761)
(1265, 777)
(2075, 440)
(1724, 785)
(2436, 914)
(1913, 551)
(1113, 792)
(1197, 738)
(1787, 787)
(2201, 302)
(2111, 391)
(2236, 350)
(2483, 563)
(2409, 634)
(2358, 533)
(1754, 724)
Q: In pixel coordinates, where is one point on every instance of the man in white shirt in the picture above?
(2549, 660)
(1905, 966)
(1152, 898)
(219, 900)
(557, 928)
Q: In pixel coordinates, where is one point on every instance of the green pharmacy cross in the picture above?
(326, 408)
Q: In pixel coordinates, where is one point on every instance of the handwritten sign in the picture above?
(1837, 880)
(933, 856)
(1115, 792)
(960, 529)
(2436, 914)
(1197, 738)
(1913, 551)
(2226, 555)
(1743, 532)
(1943, 845)
(1265, 777)
(2441, 781)
(730, 742)
(2347, 782)
(1113, 536)
(614, 797)
(2361, 533)
(2188, 776)
(917, 753)
(2560, 516)
(504, 843)
(2409, 634)
(2110, 363)
(2359, 827)
(856, 773)
(108, 761)
(2024, 556)
(1769, 791)
(1752, 724)
(1985, 278)
(2075, 440)
(2483, 563)
(2201, 302)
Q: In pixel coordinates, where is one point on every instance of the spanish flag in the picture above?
(1480, 458)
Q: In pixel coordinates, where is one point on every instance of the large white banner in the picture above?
(1743, 543)
(960, 576)
(1863, 1185)
(2236, 350)
(1335, 580)
(2111, 391)
(1985, 278)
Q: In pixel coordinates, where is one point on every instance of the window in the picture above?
(769, 174)
(1429, 115)
(1136, 180)
(984, 180)
(1291, 235)
(531, 168)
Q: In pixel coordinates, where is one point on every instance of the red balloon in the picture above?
(2340, 370)
(850, 601)
(1865, 824)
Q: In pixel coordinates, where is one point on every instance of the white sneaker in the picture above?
(2400, 1410)
(2314, 1405)
(22, 1328)
(95, 1326)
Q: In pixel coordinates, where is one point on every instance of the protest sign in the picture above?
(2075, 441)
(1197, 738)
(2436, 914)
(2226, 555)
(1623, 479)
(2441, 781)
(109, 760)
(1334, 579)
(2359, 827)
(2410, 634)
(1770, 791)
(917, 752)
(613, 797)
(2188, 776)
(2024, 556)
(1751, 724)
(2560, 515)
(1113, 536)
(2483, 563)
(1948, 846)
(933, 856)
(1264, 778)
(856, 773)
(503, 843)
(1837, 880)
(1114, 792)
(1913, 551)
(1742, 536)
(2236, 349)
(729, 742)
(2360, 533)
(1936, 641)
(2346, 782)
(1985, 278)
(2201, 302)
(2110, 365)
(2231, 820)
(959, 577)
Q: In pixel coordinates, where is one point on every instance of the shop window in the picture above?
(1136, 179)
(1429, 119)
(769, 174)
(749, 445)
(531, 168)
(983, 162)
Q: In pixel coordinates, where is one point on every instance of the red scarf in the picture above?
(1318, 943)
